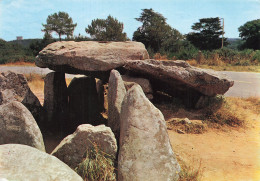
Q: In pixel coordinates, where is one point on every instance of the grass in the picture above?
(232, 111)
(20, 63)
(221, 66)
(189, 172)
(97, 165)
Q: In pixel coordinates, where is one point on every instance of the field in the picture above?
(221, 152)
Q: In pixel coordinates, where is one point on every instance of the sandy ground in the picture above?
(228, 155)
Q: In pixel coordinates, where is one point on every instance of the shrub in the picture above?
(97, 165)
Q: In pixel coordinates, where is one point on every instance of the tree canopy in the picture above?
(154, 30)
(250, 32)
(60, 23)
(109, 29)
(207, 34)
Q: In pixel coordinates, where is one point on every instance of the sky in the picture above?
(25, 17)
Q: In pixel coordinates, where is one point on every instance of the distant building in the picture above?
(19, 38)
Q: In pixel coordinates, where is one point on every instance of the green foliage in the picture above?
(250, 32)
(97, 165)
(109, 29)
(155, 32)
(37, 46)
(13, 52)
(60, 23)
(207, 34)
(182, 50)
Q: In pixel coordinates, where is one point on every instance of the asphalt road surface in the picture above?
(246, 84)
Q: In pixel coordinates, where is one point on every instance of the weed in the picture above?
(189, 173)
(97, 165)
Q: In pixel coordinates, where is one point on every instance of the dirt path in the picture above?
(231, 155)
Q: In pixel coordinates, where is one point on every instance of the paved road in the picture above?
(246, 83)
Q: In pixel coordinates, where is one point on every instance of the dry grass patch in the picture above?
(189, 172)
(97, 165)
(232, 111)
(20, 64)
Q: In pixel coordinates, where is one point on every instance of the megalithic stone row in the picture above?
(145, 151)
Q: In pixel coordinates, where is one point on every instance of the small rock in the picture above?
(72, 148)
(180, 131)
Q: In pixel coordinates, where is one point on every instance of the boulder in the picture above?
(178, 78)
(89, 57)
(14, 87)
(17, 125)
(145, 152)
(84, 107)
(72, 148)
(116, 94)
(21, 162)
(144, 83)
(55, 100)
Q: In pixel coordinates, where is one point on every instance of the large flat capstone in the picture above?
(89, 56)
(179, 76)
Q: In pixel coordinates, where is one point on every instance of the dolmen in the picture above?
(134, 132)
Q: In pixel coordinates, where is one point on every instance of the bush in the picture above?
(97, 165)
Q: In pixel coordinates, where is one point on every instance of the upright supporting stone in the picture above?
(100, 92)
(145, 152)
(84, 105)
(116, 94)
(56, 99)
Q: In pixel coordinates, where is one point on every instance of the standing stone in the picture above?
(14, 87)
(55, 99)
(21, 162)
(72, 148)
(17, 125)
(84, 105)
(144, 83)
(145, 151)
(116, 94)
(100, 92)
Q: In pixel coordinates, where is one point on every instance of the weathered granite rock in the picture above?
(21, 162)
(116, 94)
(180, 75)
(14, 87)
(72, 148)
(144, 83)
(55, 100)
(84, 107)
(179, 79)
(145, 151)
(89, 57)
(17, 125)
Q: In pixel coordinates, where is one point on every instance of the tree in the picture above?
(207, 34)
(154, 30)
(109, 29)
(38, 45)
(60, 23)
(250, 32)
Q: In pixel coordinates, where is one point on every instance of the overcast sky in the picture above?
(25, 17)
